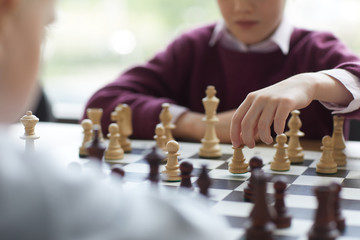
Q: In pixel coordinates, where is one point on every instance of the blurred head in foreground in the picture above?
(22, 30)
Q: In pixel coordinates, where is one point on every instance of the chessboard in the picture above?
(226, 192)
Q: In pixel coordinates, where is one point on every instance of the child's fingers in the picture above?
(235, 126)
(264, 124)
(281, 115)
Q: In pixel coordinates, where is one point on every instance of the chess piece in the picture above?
(254, 163)
(154, 157)
(165, 118)
(294, 150)
(280, 161)
(327, 165)
(339, 141)
(117, 170)
(160, 137)
(340, 220)
(123, 117)
(96, 147)
(95, 114)
(237, 164)
(204, 181)
(282, 218)
(114, 152)
(172, 172)
(261, 225)
(324, 226)
(87, 131)
(29, 121)
(186, 169)
(210, 143)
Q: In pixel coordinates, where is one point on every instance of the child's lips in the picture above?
(246, 24)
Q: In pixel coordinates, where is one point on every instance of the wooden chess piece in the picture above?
(95, 115)
(87, 131)
(29, 122)
(324, 226)
(340, 220)
(327, 165)
(165, 118)
(210, 143)
(186, 169)
(261, 225)
(154, 157)
(294, 150)
(282, 218)
(172, 172)
(117, 170)
(237, 164)
(280, 161)
(254, 163)
(204, 181)
(339, 141)
(160, 137)
(114, 152)
(96, 148)
(123, 117)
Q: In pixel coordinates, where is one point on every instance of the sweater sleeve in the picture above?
(323, 52)
(145, 87)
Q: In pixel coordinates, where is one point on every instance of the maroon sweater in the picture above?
(181, 73)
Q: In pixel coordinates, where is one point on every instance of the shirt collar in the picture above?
(279, 39)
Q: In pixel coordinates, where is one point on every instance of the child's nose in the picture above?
(244, 5)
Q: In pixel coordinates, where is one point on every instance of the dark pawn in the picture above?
(186, 169)
(254, 163)
(117, 170)
(154, 158)
(96, 148)
(282, 218)
(204, 182)
(261, 225)
(340, 220)
(324, 227)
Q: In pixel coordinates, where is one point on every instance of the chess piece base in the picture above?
(296, 159)
(171, 176)
(114, 155)
(263, 233)
(239, 169)
(326, 170)
(283, 166)
(283, 222)
(324, 234)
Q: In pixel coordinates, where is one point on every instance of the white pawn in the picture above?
(29, 121)
(114, 152)
(327, 164)
(280, 161)
(237, 164)
(160, 137)
(87, 126)
(339, 141)
(294, 150)
(172, 171)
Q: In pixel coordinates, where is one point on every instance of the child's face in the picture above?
(22, 27)
(252, 21)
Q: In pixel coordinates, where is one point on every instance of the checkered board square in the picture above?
(227, 189)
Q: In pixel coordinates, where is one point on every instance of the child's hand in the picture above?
(272, 104)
